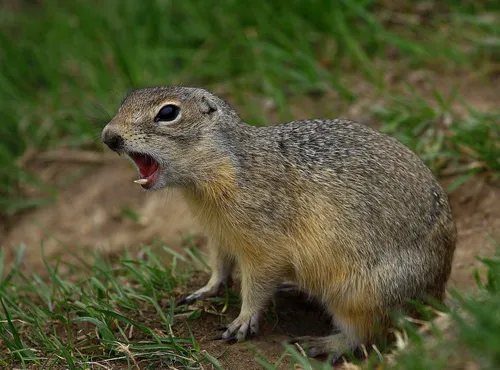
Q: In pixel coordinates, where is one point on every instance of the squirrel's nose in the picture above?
(113, 141)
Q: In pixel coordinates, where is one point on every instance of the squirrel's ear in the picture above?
(207, 106)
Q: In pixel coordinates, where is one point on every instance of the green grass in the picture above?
(119, 313)
(73, 61)
(113, 312)
(449, 143)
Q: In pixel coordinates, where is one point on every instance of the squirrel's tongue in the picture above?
(147, 165)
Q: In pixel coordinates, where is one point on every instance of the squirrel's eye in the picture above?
(167, 113)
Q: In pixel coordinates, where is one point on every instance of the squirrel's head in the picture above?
(172, 134)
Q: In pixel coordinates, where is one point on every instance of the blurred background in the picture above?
(426, 72)
(415, 68)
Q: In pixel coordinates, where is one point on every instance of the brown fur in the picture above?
(350, 215)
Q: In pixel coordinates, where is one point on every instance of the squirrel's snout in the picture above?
(113, 140)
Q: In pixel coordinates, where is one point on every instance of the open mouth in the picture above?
(148, 169)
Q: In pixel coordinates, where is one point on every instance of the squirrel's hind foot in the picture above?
(334, 346)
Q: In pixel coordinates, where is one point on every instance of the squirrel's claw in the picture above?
(181, 302)
(186, 301)
(208, 291)
(200, 294)
(333, 346)
(241, 328)
(217, 337)
(230, 340)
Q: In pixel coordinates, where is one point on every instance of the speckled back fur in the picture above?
(348, 213)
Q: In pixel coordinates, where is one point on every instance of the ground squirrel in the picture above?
(347, 213)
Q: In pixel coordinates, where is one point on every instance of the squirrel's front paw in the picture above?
(241, 328)
(207, 291)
